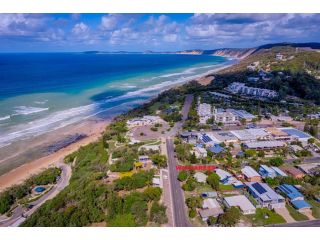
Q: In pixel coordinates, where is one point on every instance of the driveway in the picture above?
(285, 214)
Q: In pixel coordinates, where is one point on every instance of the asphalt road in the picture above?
(184, 112)
(311, 223)
(180, 217)
(305, 160)
(20, 214)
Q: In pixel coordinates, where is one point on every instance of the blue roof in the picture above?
(299, 204)
(216, 149)
(290, 191)
(295, 132)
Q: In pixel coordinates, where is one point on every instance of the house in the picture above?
(210, 207)
(189, 136)
(144, 121)
(200, 152)
(279, 172)
(226, 178)
(250, 174)
(208, 139)
(240, 201)
(243, 135)
(156, 181)
(308, 168)
(265, 196)
(144, 158)
(291, 192)
(211, 194)
(200, 177)
(295, 172)
(295, 196)
(266, 171)
(216, 149)
(264, 145)
(279, 57)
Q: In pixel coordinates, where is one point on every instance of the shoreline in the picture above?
(93, 130)
(23, 172)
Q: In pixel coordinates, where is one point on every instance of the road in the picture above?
(304, 160)
(20, 214)
(312, 223)
(180, 218)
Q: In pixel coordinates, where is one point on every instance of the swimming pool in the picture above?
(39, 189)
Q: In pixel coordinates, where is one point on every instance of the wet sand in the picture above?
(19, 164)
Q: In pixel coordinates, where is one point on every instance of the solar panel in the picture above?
(259, 188)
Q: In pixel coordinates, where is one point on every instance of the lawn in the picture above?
(296, 214)
(315, 208)
(225, 187)
(264, 217)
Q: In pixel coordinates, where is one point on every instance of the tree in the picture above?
(125, 220)
(192, 213)
(182, 176)
(190, 185)
(230, 217)
(261, 154)
(153, 193)
(158, 213)
(311, 140)
(214, 181)
(212, 220)
(194, 202)
(159, 160)
(6, 200)
(276, 161)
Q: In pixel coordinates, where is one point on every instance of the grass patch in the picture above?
(264, 217)
(296, 214)
(225, 187)
(315, 208)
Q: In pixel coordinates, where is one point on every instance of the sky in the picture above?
(155, 32)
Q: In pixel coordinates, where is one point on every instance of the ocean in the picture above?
(42, 92)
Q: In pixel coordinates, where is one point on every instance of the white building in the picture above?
(200, 177)
(204, 112)
(200, 152)
(242, 202)
(241, 88)
(225, 118)
(210, 207)
(144, 121)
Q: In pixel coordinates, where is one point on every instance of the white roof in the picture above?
(265, 144)
(258, 132)
(200, 177)
(156, 181)
(240, 201)
(308, 166)
(249, 172)
(222, 174)
(210, 203)
(243, 135)
(279, 171)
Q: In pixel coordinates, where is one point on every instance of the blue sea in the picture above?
(42, 92)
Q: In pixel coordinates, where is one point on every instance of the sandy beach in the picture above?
(22, 159)
(92, 129)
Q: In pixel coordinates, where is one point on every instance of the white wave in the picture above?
(5, 118)
(41, 102)
(24, 110)
(66, 117)
(127, 85)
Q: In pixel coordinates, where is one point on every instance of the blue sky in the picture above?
(156, 32)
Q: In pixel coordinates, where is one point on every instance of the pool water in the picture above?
(39, 189)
